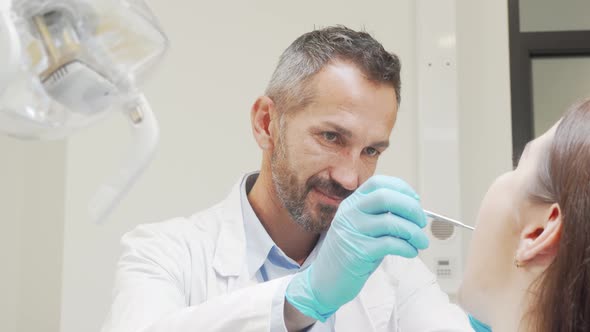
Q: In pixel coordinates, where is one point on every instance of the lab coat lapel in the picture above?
(230, 255)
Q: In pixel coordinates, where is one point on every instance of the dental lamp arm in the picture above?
(145, 133)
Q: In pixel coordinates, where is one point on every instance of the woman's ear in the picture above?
(262, 114)
(539, 241)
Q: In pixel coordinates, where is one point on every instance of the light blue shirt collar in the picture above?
(260, 248)
(258, 242)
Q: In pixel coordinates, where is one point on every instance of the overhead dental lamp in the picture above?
(65, 64)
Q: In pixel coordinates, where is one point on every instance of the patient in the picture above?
(529, 262)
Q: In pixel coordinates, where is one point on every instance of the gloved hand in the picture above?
(382, 217)
(479, 326)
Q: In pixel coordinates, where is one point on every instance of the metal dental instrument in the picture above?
(442, 218)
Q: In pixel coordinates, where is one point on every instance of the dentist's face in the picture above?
(505, 211)
(326, 150)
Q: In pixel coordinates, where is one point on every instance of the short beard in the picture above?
(293, 197)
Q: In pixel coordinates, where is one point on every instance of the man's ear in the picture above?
(262, 115)
(540, 239)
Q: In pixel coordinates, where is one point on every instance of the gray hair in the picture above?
(290, 86)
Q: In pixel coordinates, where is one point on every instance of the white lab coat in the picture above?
(190, 274)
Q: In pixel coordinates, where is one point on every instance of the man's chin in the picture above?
(320, 215)
(324, 214)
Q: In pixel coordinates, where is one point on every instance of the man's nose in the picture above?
(346, 172)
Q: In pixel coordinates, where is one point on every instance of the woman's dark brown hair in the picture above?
(564, 178)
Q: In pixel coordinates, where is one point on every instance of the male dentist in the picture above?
(313, 241)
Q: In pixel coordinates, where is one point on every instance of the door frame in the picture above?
(524, 47)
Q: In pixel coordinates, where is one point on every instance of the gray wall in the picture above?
(557, 83)
(32, 184)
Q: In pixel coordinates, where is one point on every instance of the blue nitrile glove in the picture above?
(478, 326)
(382, 217)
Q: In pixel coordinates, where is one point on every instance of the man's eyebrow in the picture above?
(338, 128)
(348, 134)
(381, 145)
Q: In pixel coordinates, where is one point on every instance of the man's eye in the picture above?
(330, 136)
(371, 152)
